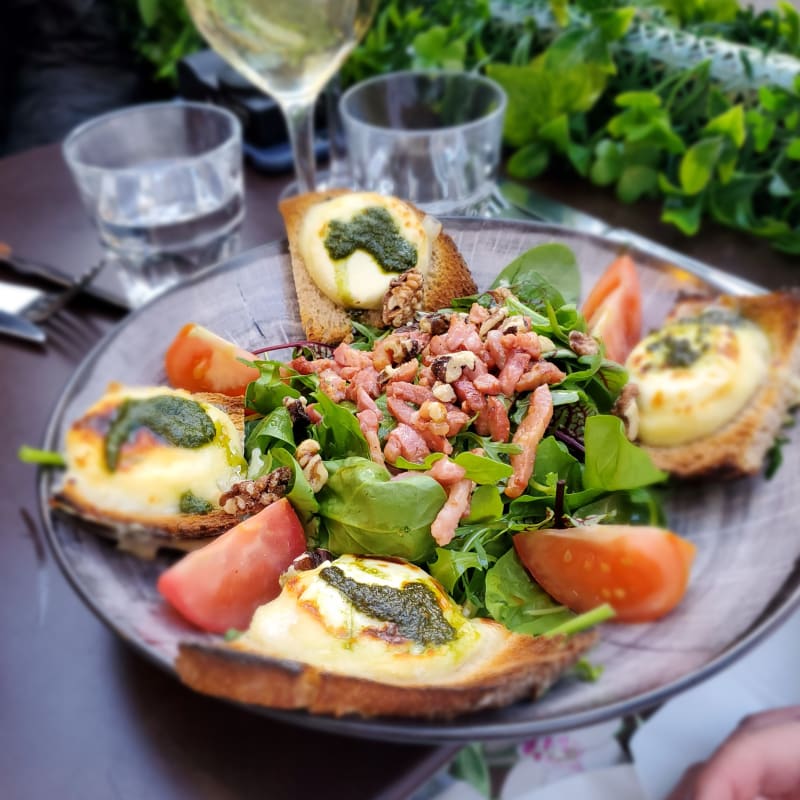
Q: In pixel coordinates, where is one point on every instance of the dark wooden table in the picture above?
(81, 716)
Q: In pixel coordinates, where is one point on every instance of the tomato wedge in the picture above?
(200, 361)
(641, 571)
(613, 309)
(220, 586)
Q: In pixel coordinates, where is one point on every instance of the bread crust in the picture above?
(325, 321)
(523, 667)
(740, 446)
(168, 527)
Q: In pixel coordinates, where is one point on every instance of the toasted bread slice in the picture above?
(509, 667)
(325, 321)
(347, 638)
(140, 529)
(739, 447)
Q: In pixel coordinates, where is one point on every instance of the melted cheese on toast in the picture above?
(695, 376)
(151, 475)
(313, 622)
(359, 281)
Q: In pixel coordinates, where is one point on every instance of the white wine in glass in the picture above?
(289, 49)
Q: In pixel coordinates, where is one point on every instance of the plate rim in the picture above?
(402, 730)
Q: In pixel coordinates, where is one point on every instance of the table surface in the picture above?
(81, 715)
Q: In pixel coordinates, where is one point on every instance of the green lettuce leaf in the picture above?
(612, 462)
(362, 511)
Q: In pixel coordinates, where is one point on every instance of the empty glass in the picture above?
(432, 138)
(163, 185)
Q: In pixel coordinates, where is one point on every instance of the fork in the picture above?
(50, 303)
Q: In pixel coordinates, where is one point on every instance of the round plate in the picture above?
(744, 582)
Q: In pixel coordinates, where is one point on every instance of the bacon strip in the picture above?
(368, 422)
(540, 373)
(456, 506)
(528, 435)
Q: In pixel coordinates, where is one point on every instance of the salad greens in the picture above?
(585, 467)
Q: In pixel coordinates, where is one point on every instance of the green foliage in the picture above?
(580, 101)
(163, 33)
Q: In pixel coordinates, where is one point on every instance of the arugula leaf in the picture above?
(268, 390)
(451, 565)
(44, 458)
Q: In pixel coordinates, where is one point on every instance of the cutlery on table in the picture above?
(21, 328)
(538, 206)
(31, 268)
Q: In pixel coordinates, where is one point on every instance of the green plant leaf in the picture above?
(793, 149)
(538, 273)
(685, 217)
(698, 163)
(529, 161)
(608, 163)
(730, 123)
(148, 11)
(612, 462)
(636, 181)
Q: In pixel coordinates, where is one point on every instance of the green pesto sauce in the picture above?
(182, 422)
(414, 608)
(678, 351)
(192, 504)
(375, 232)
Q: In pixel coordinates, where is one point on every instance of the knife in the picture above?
(21, 328)
(546, 209)
(27, 267)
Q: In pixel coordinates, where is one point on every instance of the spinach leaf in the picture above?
(486, 505)
(268, 390)
(363, 511)
(546, 273)
(300, 493)
(635, 507)
(553, 457)
(338, 434)
(516, 600)
(275, 427)
(612, 462)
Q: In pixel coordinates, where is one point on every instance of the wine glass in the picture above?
(289, 49)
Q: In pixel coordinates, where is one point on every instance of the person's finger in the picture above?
(684, 790)
(766, 719)
(759, 762)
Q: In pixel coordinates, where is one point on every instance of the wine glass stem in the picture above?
(300, 122)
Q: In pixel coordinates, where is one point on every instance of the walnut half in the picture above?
(403, 299)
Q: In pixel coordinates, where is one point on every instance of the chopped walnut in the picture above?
(310, 461)
(444, 392)
(546, 345)
(516, 324)
(248, 497)
(403, 299)
(583, 344)
(500, 294)
(627, 410)
(448, 368)
(493, 320)
(435, 323)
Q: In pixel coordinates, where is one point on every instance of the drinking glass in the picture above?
(289, 49)
(433, 138)
(163, 185)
